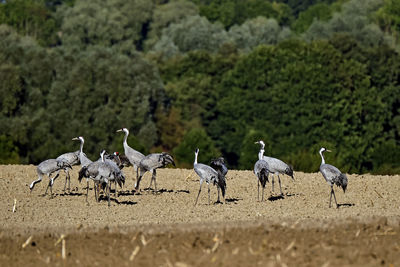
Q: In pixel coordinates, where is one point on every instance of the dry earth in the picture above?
(166, 229)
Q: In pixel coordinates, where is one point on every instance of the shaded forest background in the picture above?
(218, 75)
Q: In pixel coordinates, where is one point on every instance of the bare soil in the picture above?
(148, 229)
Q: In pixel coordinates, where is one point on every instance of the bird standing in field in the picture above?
(332, 176)
(102, 172)
(261, 170)
(121, 160)
(218, 164)
(85, 161)
(276, 167)
(72, 158)
(49, 167)
(206, 174)
(133, 155)
(151, 163)
(82, 156)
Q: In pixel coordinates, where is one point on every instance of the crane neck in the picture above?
(261, 153)
(322, 157)
(102, 157)
(82, 142)
(126, 139)
(195, 158)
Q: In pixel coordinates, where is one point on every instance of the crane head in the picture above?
(123, 130)
(323, 149)
(80, 138)
(197, 151)
(260, 142)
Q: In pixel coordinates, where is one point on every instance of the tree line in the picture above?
(218, 75)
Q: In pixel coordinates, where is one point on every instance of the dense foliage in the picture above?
(218, 75)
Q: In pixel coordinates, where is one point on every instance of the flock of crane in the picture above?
(108, 170)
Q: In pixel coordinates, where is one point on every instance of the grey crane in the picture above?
(261, 170)
(102, 173)
(276, 167)
(72, 158)
(151, 163)
(206, 174)
(85, 161)
(218, 164)
(121, 160)
(133, 155)
(48, 167)
(332, 176)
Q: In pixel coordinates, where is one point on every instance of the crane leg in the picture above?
(96, 191)
(218, 195)
(116, 191)
(333, 193)
(208, 194)
(280, 186)
(198, 194)
(273, 182)
(47, 188)
(135, 169)
(69, 182)
(87, 190)
(262, 196)
(108, 192)
(138, 180)
(153, 177)
(52, 182)
(66, 179)
(258, 190)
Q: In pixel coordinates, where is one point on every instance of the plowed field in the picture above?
(165, 229)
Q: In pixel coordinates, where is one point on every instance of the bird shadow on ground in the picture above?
(127, 193)
(73, 194)
(182, 191)
(233, 199)
(346, 205)
(163, 190)
(125, 202)
(274, 198)
(113, 199)
(293, 195)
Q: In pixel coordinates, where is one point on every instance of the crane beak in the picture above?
(256, 142)
(328, 150)
(119, 130)
(75, 138)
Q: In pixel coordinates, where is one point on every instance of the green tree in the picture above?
(195, 138)
(107, 23)
(30, 17)
(166, 14)
(257, 31)
(192, 33)
(321, 12)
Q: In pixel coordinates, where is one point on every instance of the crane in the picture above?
(261, 170)
(276, 167)
(133, 155)
(82, 156)
(332, 176)
(48, 167)
(151, 163)
(206, 174)
(102, 172)
(72, 158)
(85, 161)
(218, 164)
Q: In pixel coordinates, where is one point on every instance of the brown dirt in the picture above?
(166, 229)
